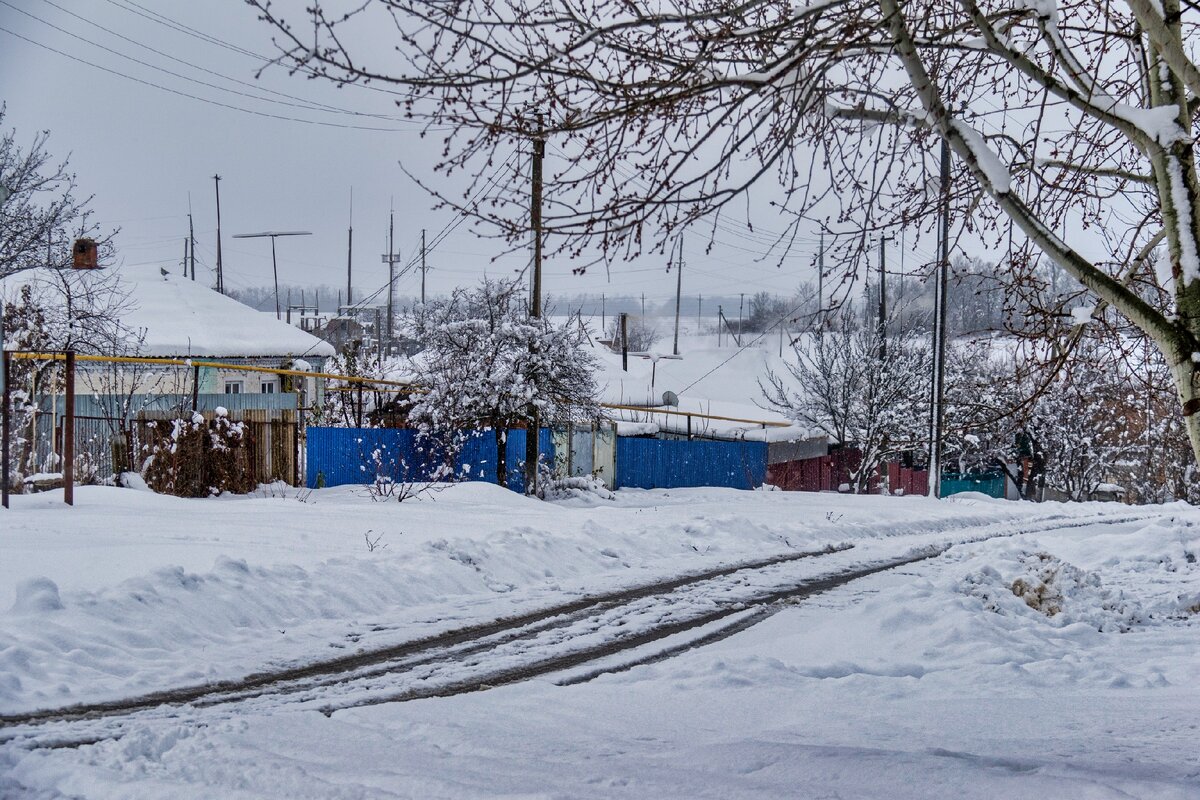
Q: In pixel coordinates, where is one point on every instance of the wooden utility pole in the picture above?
(220, 270)
(603, 314)
(882, 299)
(535, 301)
(678, 291)
(821, 283)
(936, 415)
(535, 222)
(422, 266)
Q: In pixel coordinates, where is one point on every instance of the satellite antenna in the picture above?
(670, 399)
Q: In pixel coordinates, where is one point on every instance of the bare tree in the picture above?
(843, 384)
(52, 310)
(640, 332)
(40, 215)
(1059, 116)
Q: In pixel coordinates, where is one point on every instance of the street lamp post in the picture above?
(274, 266)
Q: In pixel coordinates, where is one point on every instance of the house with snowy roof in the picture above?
(151, 312)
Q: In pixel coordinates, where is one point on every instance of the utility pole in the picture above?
(220, 271)
(882, 299)
(378, 339)
(936, 416)
(391, 303)
(643, 305)
(350, 254)
(272, 235)
(624, 341)
(741, 303)
(821, 283)
(535, 221)
(390, 258)
(191, 240)
(422, 266)
(603, 314)
(535, 304)
(185, 257)
(678, 291)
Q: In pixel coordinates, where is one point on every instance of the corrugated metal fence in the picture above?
(340, 456)
(671, 464)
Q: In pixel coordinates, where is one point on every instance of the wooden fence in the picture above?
(273, 441)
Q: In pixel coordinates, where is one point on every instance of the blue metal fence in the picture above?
(670, 464)
(340, 456)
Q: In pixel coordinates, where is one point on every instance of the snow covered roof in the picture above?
(182, 317)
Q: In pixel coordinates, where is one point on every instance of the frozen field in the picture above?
(931, 679)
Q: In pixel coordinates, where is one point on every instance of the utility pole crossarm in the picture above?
(273, 235)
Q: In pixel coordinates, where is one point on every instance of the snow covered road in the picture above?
(800, 690)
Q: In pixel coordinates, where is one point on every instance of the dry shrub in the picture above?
(197, 457)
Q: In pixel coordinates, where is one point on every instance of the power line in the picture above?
(179, 27)
(218, 103)
(446, 230)
(302, 102)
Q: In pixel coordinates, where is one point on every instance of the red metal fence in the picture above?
(829, 473)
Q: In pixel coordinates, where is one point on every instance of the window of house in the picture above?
(267, 387)
(233, 387)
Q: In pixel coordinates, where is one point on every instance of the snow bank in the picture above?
(132, 591)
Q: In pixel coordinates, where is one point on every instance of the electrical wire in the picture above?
(268, 115)
(446, 230)
(301, 103)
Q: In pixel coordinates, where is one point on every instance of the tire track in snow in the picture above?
(441, 665)
(486, 634)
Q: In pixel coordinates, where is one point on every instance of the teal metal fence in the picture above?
(989, 483)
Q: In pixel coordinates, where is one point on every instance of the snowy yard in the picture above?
(932, 679)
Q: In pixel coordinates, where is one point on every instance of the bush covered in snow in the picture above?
(197, 457)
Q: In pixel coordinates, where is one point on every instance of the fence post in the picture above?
(5, 434)
(69, 434)
(296, 454)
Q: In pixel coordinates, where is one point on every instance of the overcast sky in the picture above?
(142, 139)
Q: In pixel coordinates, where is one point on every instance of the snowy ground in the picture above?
(930, 680)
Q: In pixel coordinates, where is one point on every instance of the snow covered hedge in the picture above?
(197, 457)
